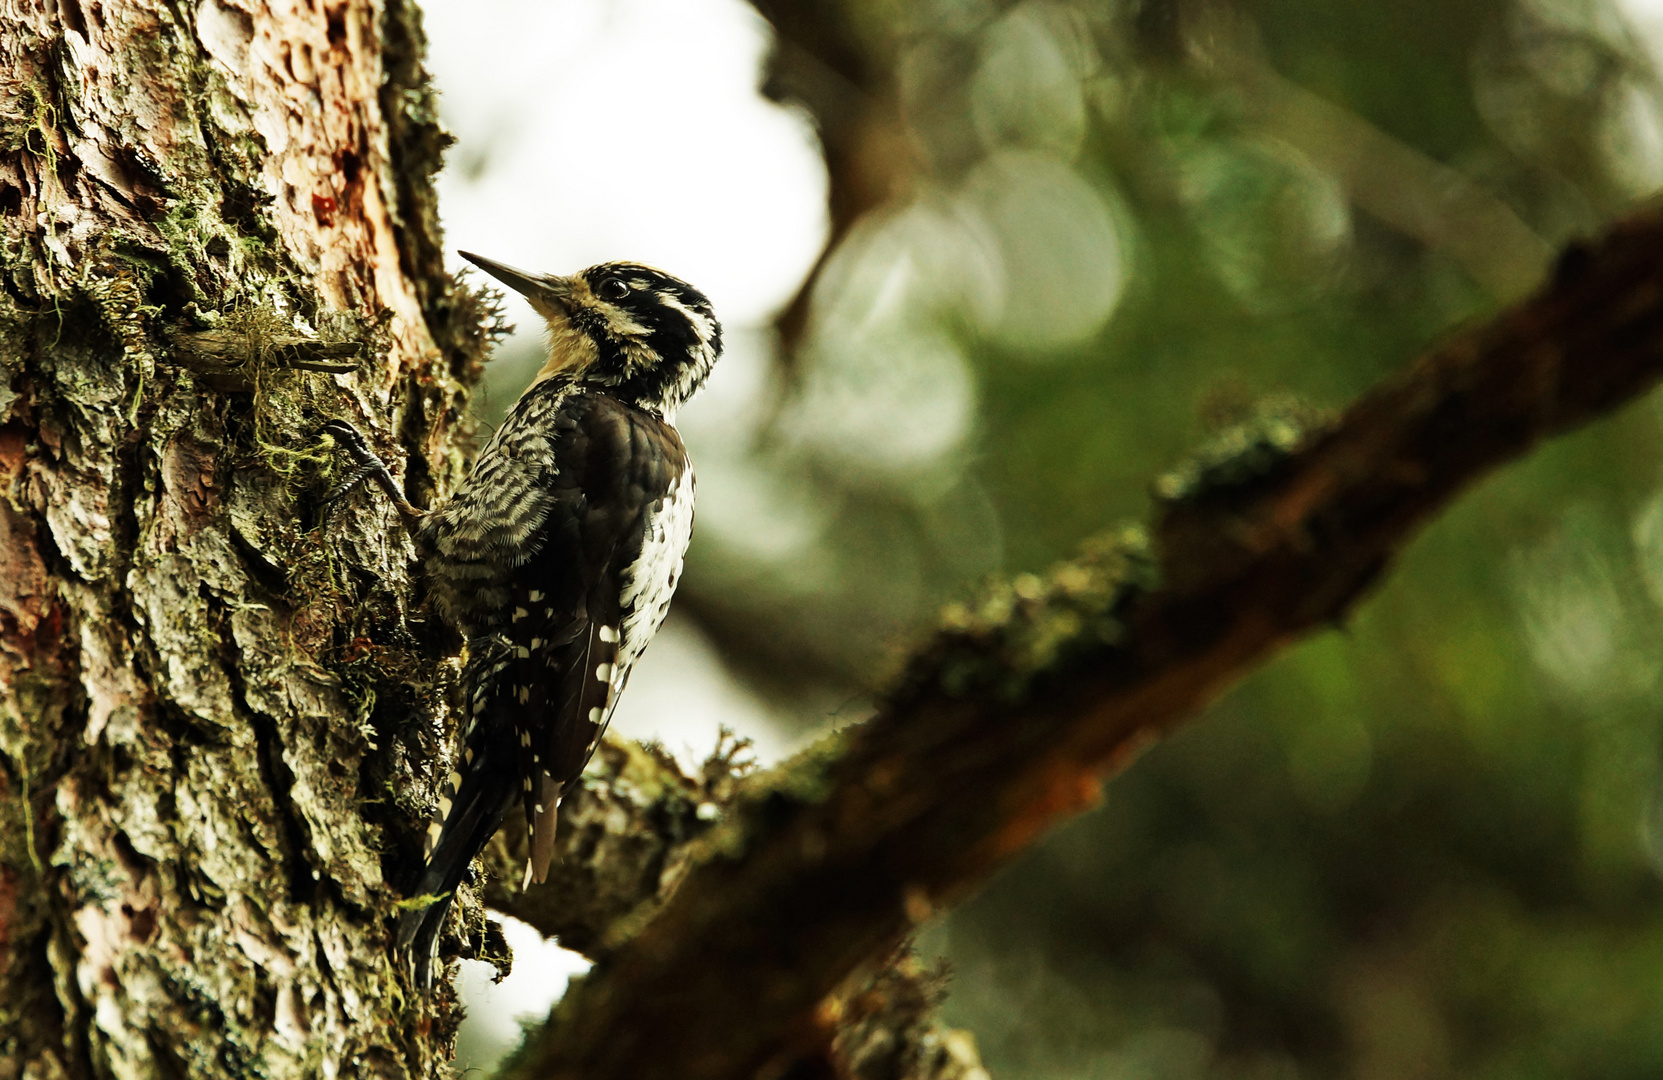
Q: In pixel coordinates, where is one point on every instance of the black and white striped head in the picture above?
(648, 338)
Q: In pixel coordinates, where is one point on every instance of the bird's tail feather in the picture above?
(477, 809)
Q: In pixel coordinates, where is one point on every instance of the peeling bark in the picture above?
(838, 66)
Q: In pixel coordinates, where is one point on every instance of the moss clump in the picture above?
(805, 777)
(1239, 456)
(729, 800)
(1015, 631)
(118, 291)
(31, 125)
(264, 349)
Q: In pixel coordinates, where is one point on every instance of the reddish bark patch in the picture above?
(312, 629)
(25, 588)
(191, 487)
(14, 441)
(8, 908)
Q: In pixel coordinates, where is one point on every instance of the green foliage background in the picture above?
(1425, 844)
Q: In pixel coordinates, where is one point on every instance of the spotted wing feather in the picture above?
(560, 751)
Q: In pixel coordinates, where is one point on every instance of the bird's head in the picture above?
(642, 335)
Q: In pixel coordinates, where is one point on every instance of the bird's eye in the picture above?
(613, 289)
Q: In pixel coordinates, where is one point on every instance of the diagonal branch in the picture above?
(1013, 714)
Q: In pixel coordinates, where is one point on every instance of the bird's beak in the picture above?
(549, 288)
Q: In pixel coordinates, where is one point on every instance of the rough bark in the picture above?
(1011, 717)
(206, 698)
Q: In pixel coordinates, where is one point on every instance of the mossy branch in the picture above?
(1011, 716)
(629, 833)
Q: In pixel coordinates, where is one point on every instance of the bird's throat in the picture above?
(571, 351)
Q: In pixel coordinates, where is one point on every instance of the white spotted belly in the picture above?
(651, 581)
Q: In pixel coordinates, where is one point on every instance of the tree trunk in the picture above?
(214, 709)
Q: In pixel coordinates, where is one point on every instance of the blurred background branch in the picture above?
(826, 59)
(1408, 191)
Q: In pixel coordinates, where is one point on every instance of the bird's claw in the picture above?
(369, 467)
(340, 491)
(351, 440)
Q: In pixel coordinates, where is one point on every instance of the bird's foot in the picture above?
(350, 441)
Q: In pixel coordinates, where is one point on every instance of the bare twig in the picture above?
(1420, 197)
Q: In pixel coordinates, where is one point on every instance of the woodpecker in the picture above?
(557, 557)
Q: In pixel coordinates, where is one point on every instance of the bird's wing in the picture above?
(548, 675)
(626, 462)
(536, 704)
(587, 692)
